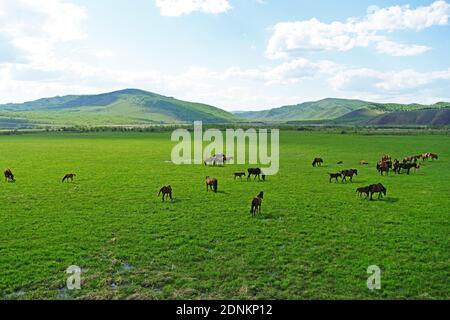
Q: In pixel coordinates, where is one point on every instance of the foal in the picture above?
(239, 175)
(335, 176)
(166, 191)
(256, 204)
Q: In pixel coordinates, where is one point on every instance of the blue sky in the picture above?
(234, 54)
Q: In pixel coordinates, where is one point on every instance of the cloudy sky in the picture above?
(234, 54)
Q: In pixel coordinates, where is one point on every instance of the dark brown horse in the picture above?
(317, 162)
(349, 174)
(211, 183)
(166, 191)
(68, 177)
(9, 176)
(256, 204)
(377, 188)
(335, 176)
(408, 167)
(254, 172)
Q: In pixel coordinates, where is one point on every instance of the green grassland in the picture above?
(313, 240)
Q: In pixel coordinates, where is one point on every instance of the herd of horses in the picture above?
(213, 183)
(384, 166)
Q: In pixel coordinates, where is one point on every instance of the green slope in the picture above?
(130, 106)
(330, 109)
(437, 117)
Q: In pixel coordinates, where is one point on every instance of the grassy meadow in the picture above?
(313, 240)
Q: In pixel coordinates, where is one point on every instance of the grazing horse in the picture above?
(408, 167)
(166, 191)
(384, 166)
(256, 204)
(377, 188)
(211, 183)
(255, 172)
(68, 177)
(317, 162)
(9, 176)
(335, 176)
(239, 175)
(349, 174)
(363, 190)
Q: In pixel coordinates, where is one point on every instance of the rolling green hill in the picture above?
(125, 107)
(341, 110)
(434, 117)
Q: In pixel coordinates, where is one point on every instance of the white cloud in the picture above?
(35, 27)
(289, 38)
(175, 8)
(400, 50)
(367, 80)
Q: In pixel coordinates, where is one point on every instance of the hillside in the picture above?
(436, 117)
(130, 106)
(330, 109)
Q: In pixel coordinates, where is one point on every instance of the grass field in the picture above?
(313, 240)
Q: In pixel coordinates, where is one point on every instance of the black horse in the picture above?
(377, 188)
(407, 167)
(257, 172)
(317, 162)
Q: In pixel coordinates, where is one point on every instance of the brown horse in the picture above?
(9, 176)
(384, 166)
(434, 156)
(166, 191)
(335, 176)
(256, 204)
(363, 190)
(68, 177)
(211, 183)
(349, 174)
(377, 188)
(239, 175)
(317, 162)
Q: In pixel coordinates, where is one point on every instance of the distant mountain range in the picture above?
(343, 111)
(138, 107)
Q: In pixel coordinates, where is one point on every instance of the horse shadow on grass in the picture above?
(390, 200)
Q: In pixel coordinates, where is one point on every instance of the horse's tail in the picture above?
(64, 179)
(159, 193)
(215, 185)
